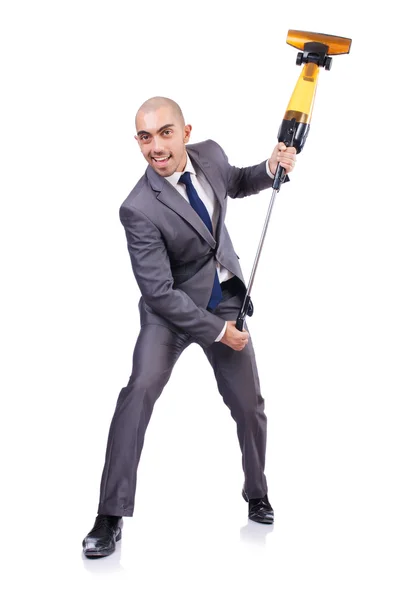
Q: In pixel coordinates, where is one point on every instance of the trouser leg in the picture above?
(156, 351)
(238, 383)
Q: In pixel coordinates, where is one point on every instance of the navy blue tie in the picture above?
(199, 207)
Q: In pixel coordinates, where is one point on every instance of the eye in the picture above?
(167, 132)
(144, 138)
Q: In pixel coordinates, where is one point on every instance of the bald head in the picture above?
(153, 104)
(161, 133)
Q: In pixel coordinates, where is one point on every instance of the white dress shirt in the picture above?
(206, 194)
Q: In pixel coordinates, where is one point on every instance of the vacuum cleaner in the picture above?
(315, 51)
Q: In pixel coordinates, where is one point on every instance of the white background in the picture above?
(324, 328)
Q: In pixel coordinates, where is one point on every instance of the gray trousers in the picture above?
(156, 351)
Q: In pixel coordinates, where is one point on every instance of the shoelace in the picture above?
(261, 504)
(102, 521)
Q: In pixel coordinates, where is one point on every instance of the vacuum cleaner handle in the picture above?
(279, 177)
(245, 310)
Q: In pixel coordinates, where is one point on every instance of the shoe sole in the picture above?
(100, 554)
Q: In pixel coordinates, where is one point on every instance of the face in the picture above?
(162, 136)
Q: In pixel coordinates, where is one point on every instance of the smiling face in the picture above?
(162, 135)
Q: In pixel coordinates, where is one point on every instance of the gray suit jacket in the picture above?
(173, 254)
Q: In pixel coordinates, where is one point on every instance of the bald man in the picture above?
(192, 288)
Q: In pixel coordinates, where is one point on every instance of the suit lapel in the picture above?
(169, 196)
(214, 181)
(210, 173)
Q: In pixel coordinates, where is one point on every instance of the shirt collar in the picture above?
(174, 178)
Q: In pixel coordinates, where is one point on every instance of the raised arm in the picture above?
(246, 181)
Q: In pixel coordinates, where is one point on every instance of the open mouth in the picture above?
(161, 160)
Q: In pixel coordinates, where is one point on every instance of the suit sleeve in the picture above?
(244, 181)
(152, 270)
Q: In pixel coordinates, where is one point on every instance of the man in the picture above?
(192, 289)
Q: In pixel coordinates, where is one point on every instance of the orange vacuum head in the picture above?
(335, 44)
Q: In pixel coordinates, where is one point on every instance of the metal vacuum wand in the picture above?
(294, 129)
(246, 304)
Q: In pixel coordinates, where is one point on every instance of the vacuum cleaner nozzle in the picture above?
(335, 44)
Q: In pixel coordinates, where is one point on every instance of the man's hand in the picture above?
(283, 155)
(234, 338)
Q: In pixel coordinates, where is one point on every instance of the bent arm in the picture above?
(246, 181)
(152, 270)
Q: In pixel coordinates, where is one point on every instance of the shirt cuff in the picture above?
(222, 333)
(268, 171)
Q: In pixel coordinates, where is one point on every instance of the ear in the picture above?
(187, 132)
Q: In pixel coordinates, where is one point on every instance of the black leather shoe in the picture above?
(101, 540)
(259, 509)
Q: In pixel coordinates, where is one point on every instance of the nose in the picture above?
(157, 145)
